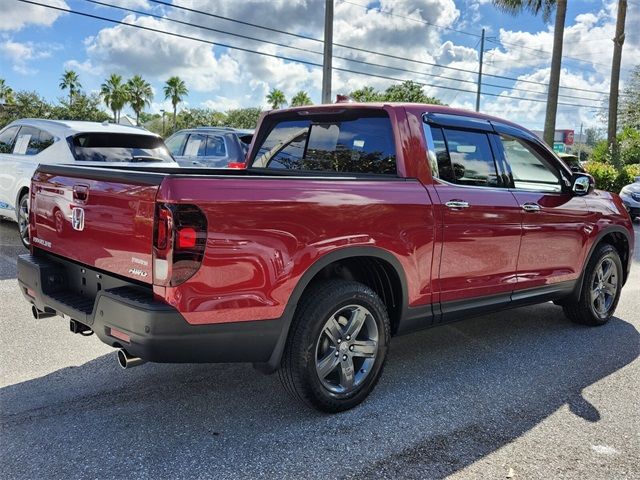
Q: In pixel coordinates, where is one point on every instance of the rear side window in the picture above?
(7, 138)
(31, 141)
(470, 158)
(332, 143)
(119, 147)
(215, 146)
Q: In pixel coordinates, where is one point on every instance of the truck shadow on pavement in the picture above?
(448, 397)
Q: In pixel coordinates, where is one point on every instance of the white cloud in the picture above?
(16, 15)
(21, 55)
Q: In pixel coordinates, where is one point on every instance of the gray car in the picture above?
(630, 195)
(212, 147)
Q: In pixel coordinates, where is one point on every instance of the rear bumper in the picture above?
(126, 315)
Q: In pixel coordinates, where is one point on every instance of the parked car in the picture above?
(212, 147)
(26, 143)
(352, 223)
(573, 162)
(630, 195)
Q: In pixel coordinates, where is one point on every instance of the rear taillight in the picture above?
(179, 240)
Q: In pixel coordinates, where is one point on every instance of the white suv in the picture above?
(26, 143)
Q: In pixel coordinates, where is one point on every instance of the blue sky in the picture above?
(37, 44)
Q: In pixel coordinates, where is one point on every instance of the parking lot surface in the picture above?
(519, 394)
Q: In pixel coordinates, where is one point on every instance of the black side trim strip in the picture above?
(108, 174)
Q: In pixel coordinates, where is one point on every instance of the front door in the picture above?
(555, 223)
(481, 223)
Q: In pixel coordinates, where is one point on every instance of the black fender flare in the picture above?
(327, 259)
(597, 240)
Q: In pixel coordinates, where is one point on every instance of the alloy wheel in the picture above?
(23, 219)
(346, 349)
(604, 287)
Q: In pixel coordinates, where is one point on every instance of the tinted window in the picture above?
(196, 146)
(175, 143)
(443, 162)
(119, 147)
(354, 144)
(28, 141)
(530, 169)
(215, 146)
(7, 138)
(471, 159)
(40, 142)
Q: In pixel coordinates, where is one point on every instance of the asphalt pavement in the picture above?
(519, 394)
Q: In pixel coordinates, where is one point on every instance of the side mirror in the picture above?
(582, 184)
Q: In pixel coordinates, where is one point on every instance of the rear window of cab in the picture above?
(358, 143)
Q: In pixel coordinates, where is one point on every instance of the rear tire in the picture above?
(337, 346)
(22, 214)
(600, 290)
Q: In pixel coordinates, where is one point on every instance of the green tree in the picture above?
(408, 92)
(300, 99)
(84, 107)
(25, 105)
(140, 95)
(115, 95)
(70, 81)
(6, 92)
(242, 117)
(276, 98)
(175, 89)
(515, 7)
(367, 94)
(629, 115)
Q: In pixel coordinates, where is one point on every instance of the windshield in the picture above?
(119, 147)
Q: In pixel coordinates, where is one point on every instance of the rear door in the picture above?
(102, 218)
(7, 172)
(480, 219)
(555, 223)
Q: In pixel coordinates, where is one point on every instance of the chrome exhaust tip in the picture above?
(128, 361)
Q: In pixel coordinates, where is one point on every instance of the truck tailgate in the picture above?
(99, 217)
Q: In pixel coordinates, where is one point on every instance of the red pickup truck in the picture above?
(350, 224)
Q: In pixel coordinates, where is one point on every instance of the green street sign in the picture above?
(559, 147)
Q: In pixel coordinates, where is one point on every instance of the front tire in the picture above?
(22, 214)
(600, 290)
(337, 346)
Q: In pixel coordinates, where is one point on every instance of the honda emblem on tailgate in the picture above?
(77, 218)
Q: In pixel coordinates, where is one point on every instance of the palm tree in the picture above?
(115, 95)
(140, 95)
(276, 98)
(301, 98)
(70, 81)
(175, 89)
(6, 92)
(515, 7)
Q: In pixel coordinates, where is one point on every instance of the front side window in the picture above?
(7, 137)
(332, 143)
(119, 147)
(530, 170)
(465, 157)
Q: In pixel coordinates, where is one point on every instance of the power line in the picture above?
(187, 37)
(364, 50)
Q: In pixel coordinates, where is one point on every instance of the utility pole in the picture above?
(328, 51)
(618, 41)
(580, 142)
(480, 72)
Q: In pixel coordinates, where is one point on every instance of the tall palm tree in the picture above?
(6, 92)
(140, 95)
(70, 81)
(276, 98)
(515, 7)
(115, 95)
(175, 90)
(301, 98)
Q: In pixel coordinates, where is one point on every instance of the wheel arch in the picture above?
(385, 276)
(619, 238)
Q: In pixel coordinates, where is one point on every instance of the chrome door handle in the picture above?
(457, 204)
(531, 207)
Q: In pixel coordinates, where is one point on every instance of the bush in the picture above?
(607, 178)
